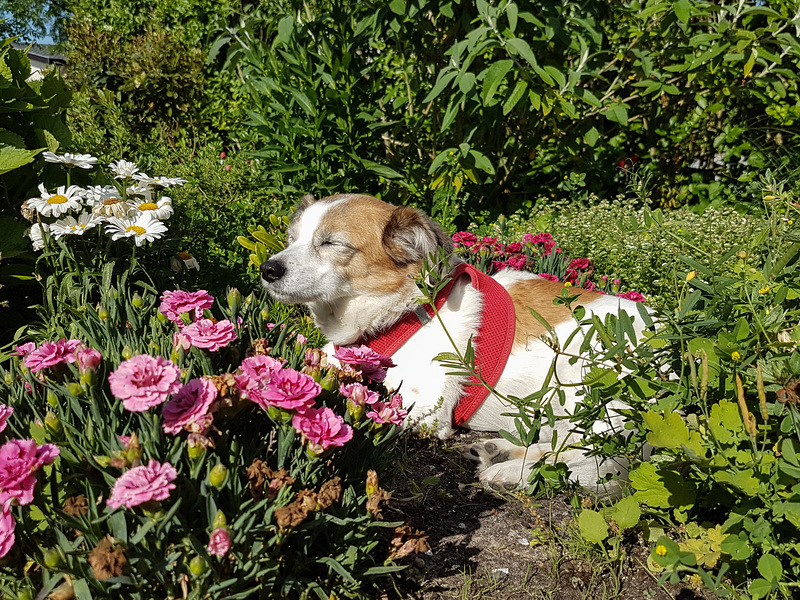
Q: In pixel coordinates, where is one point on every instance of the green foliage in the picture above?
(32, 119)
(726, 466)
(504, 98)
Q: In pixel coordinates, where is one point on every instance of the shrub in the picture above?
(713, 391)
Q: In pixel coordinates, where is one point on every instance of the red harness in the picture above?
(492, 343)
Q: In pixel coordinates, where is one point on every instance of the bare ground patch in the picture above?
(505, 546)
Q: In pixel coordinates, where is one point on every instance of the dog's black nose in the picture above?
(272, 270)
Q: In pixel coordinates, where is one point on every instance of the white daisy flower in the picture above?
(72, 226)
(55, 205)
(141, 189)
(159, 181)
(159, 210)
(95, 194)
(123, 169)
(142, 229)
(37, 235)
(111, 206)
(84, 161)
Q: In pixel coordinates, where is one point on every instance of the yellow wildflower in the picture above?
(691, 275)
(764, 290)
(736, 356)
(661, 550)
(567, 284)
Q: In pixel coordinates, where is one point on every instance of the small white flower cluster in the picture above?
(134, 208)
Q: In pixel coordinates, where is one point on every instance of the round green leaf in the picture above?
(593, 526)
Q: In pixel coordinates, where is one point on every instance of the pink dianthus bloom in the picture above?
(635, 296)
(514, 247)
(7, 526)
(464, 238)
(143, 484)
(287, 389)
(256, 373)
(389, 412)
(208, 334)
(322, 428)
(144, 381)
(88, 359)
(24, 349)
(50, 354)
(373, 365)
(174, 303)
(359, 394)
(190, 404)
(548, 276)
(19, 461)
(517, 261)
(5, 412)
(220, 542)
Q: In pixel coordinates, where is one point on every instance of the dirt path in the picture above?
(505, 547)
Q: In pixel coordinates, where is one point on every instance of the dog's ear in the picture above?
(410, 236)
(307, 201)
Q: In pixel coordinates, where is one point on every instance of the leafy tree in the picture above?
(31, 20)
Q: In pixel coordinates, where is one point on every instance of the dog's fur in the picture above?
(351, 259)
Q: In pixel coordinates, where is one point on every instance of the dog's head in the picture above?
(350, 245)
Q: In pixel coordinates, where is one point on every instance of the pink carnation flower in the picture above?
(208, 334)
(255, 375)
(19, 461)
(635, 296)
(514, 247)
(7, 526)
(389, 412)
(322, 428)
(580, 263)
(548, 276)
(174, 303)
(190, 404)
(359, 394)
(287, 389)
(50, 354)
(517, 262)
(144, 381)
(24, 349)
(220, 542)
(143, 484)
(373, 365)
(88, 359)
(464, 238)
(5, 412)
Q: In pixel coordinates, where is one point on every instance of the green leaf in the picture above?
(12, 158)
(670, 431)
(682, 10)
(626, 512)
(516, 95)
(617, 113)
(770, 568)
(521, 47)
(760, 588)
(81, 590)
(742, 480)
(442, 81)
(591, 137)
(381, 170)
(661, 488)
(495, 75)
(593, 526)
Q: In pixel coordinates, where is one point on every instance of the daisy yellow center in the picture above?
(111, 201)
(57, 199)
(138, 230)
(148, 206)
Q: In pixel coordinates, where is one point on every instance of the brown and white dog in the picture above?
(351, 259)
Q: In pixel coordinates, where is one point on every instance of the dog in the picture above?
(351, 259)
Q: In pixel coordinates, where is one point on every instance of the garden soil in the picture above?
(483, 544)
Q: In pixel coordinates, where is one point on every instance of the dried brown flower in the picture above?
(407, 541)
(258, 473)
(790, 393)
(108, 560)
(330, 492)
(376, 500)
(76, 506)
(260, 347)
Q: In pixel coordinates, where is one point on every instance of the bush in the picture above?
(506, 98)
(713, 390)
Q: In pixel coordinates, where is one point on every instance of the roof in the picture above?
(42, 53)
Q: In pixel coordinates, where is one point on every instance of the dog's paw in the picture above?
(491, 452)
(507, 475)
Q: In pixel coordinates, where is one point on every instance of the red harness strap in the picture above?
(492, 343)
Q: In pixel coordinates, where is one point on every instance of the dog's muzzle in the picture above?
(272, 270)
